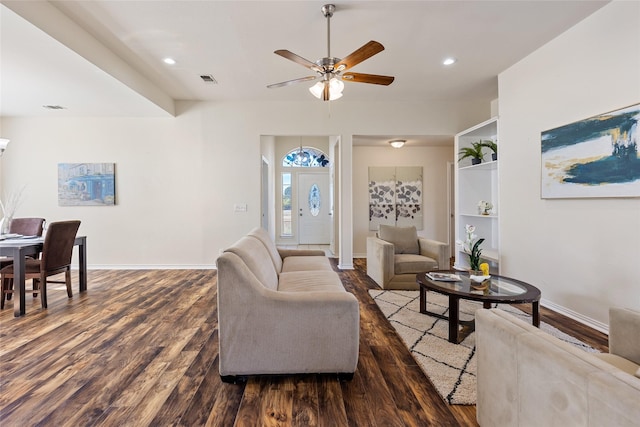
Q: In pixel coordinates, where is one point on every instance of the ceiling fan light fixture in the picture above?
(397, 143)
(336, 86)
(316, 89)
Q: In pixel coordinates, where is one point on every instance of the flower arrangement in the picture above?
(484, 207)
(8, 210)
(472, 247)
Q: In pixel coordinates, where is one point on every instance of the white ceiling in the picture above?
(104, 58)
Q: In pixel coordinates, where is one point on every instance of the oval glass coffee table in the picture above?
(496, 290)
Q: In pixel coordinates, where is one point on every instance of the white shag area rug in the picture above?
(450, 367)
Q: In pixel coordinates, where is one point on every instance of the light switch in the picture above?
(240, 208)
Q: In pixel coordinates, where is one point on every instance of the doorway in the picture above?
(314, 209)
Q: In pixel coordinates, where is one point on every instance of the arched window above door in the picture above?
(305, 157)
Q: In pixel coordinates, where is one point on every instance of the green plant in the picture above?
(474, 151)
(472, 247)
(490, 145)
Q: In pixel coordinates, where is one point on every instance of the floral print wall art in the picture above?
(395, 196)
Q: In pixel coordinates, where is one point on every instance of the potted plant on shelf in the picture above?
(493, 147)
(474, 151)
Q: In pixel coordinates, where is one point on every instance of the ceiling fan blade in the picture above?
(368, 78)
(294, 81)
(365, 52)
(299, 60)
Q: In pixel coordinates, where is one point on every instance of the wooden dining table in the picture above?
(19, 248)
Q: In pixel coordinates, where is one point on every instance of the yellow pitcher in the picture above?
(484, 267)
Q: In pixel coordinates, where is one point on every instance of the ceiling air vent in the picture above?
(208, 78)
(53, 107)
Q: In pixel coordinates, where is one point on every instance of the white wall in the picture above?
(434, 184)
(177, 179)
(582, 253)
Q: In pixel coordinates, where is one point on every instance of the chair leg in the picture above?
(67, 277)
(35, 285)
(43, 292)
(9, 286)
(2, 287)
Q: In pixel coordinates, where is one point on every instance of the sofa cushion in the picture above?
(255, 256)
(404, 239)
(310, 281)
(306, 263)
(262, 235)
(409, 263)
(619, 362)
(637, 374)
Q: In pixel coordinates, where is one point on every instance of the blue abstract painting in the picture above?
(86, 184)
(595, 157)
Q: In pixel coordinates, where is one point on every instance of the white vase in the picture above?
(5, 224)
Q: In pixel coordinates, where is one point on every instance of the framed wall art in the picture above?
(86, 184)
(594, 157)
(395, 196)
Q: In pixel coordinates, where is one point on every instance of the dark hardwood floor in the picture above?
(140, 348)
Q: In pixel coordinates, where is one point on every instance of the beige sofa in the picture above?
(397, 254)
(527, 377)
(283, 312)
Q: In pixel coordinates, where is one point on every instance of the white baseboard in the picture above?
(598, 326)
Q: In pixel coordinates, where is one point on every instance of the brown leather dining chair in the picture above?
(27, 226)
(24, 227)
(56, 258)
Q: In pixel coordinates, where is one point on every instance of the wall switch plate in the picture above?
(240, 208)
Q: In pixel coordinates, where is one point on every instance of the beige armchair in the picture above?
(397, 254)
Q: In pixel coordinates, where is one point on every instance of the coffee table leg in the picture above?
(535, 308)
(454, 318)
(423, 300)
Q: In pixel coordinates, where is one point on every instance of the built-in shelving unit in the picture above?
(474, 183)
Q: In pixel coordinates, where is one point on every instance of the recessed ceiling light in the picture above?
(449, 61)
(169, 61)
(54, 107)
(398, 143)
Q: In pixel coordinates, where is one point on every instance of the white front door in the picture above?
(314, 209)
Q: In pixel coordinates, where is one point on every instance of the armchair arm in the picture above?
(380, 265)
(300, 252)
(624, 330)
(436, 250)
